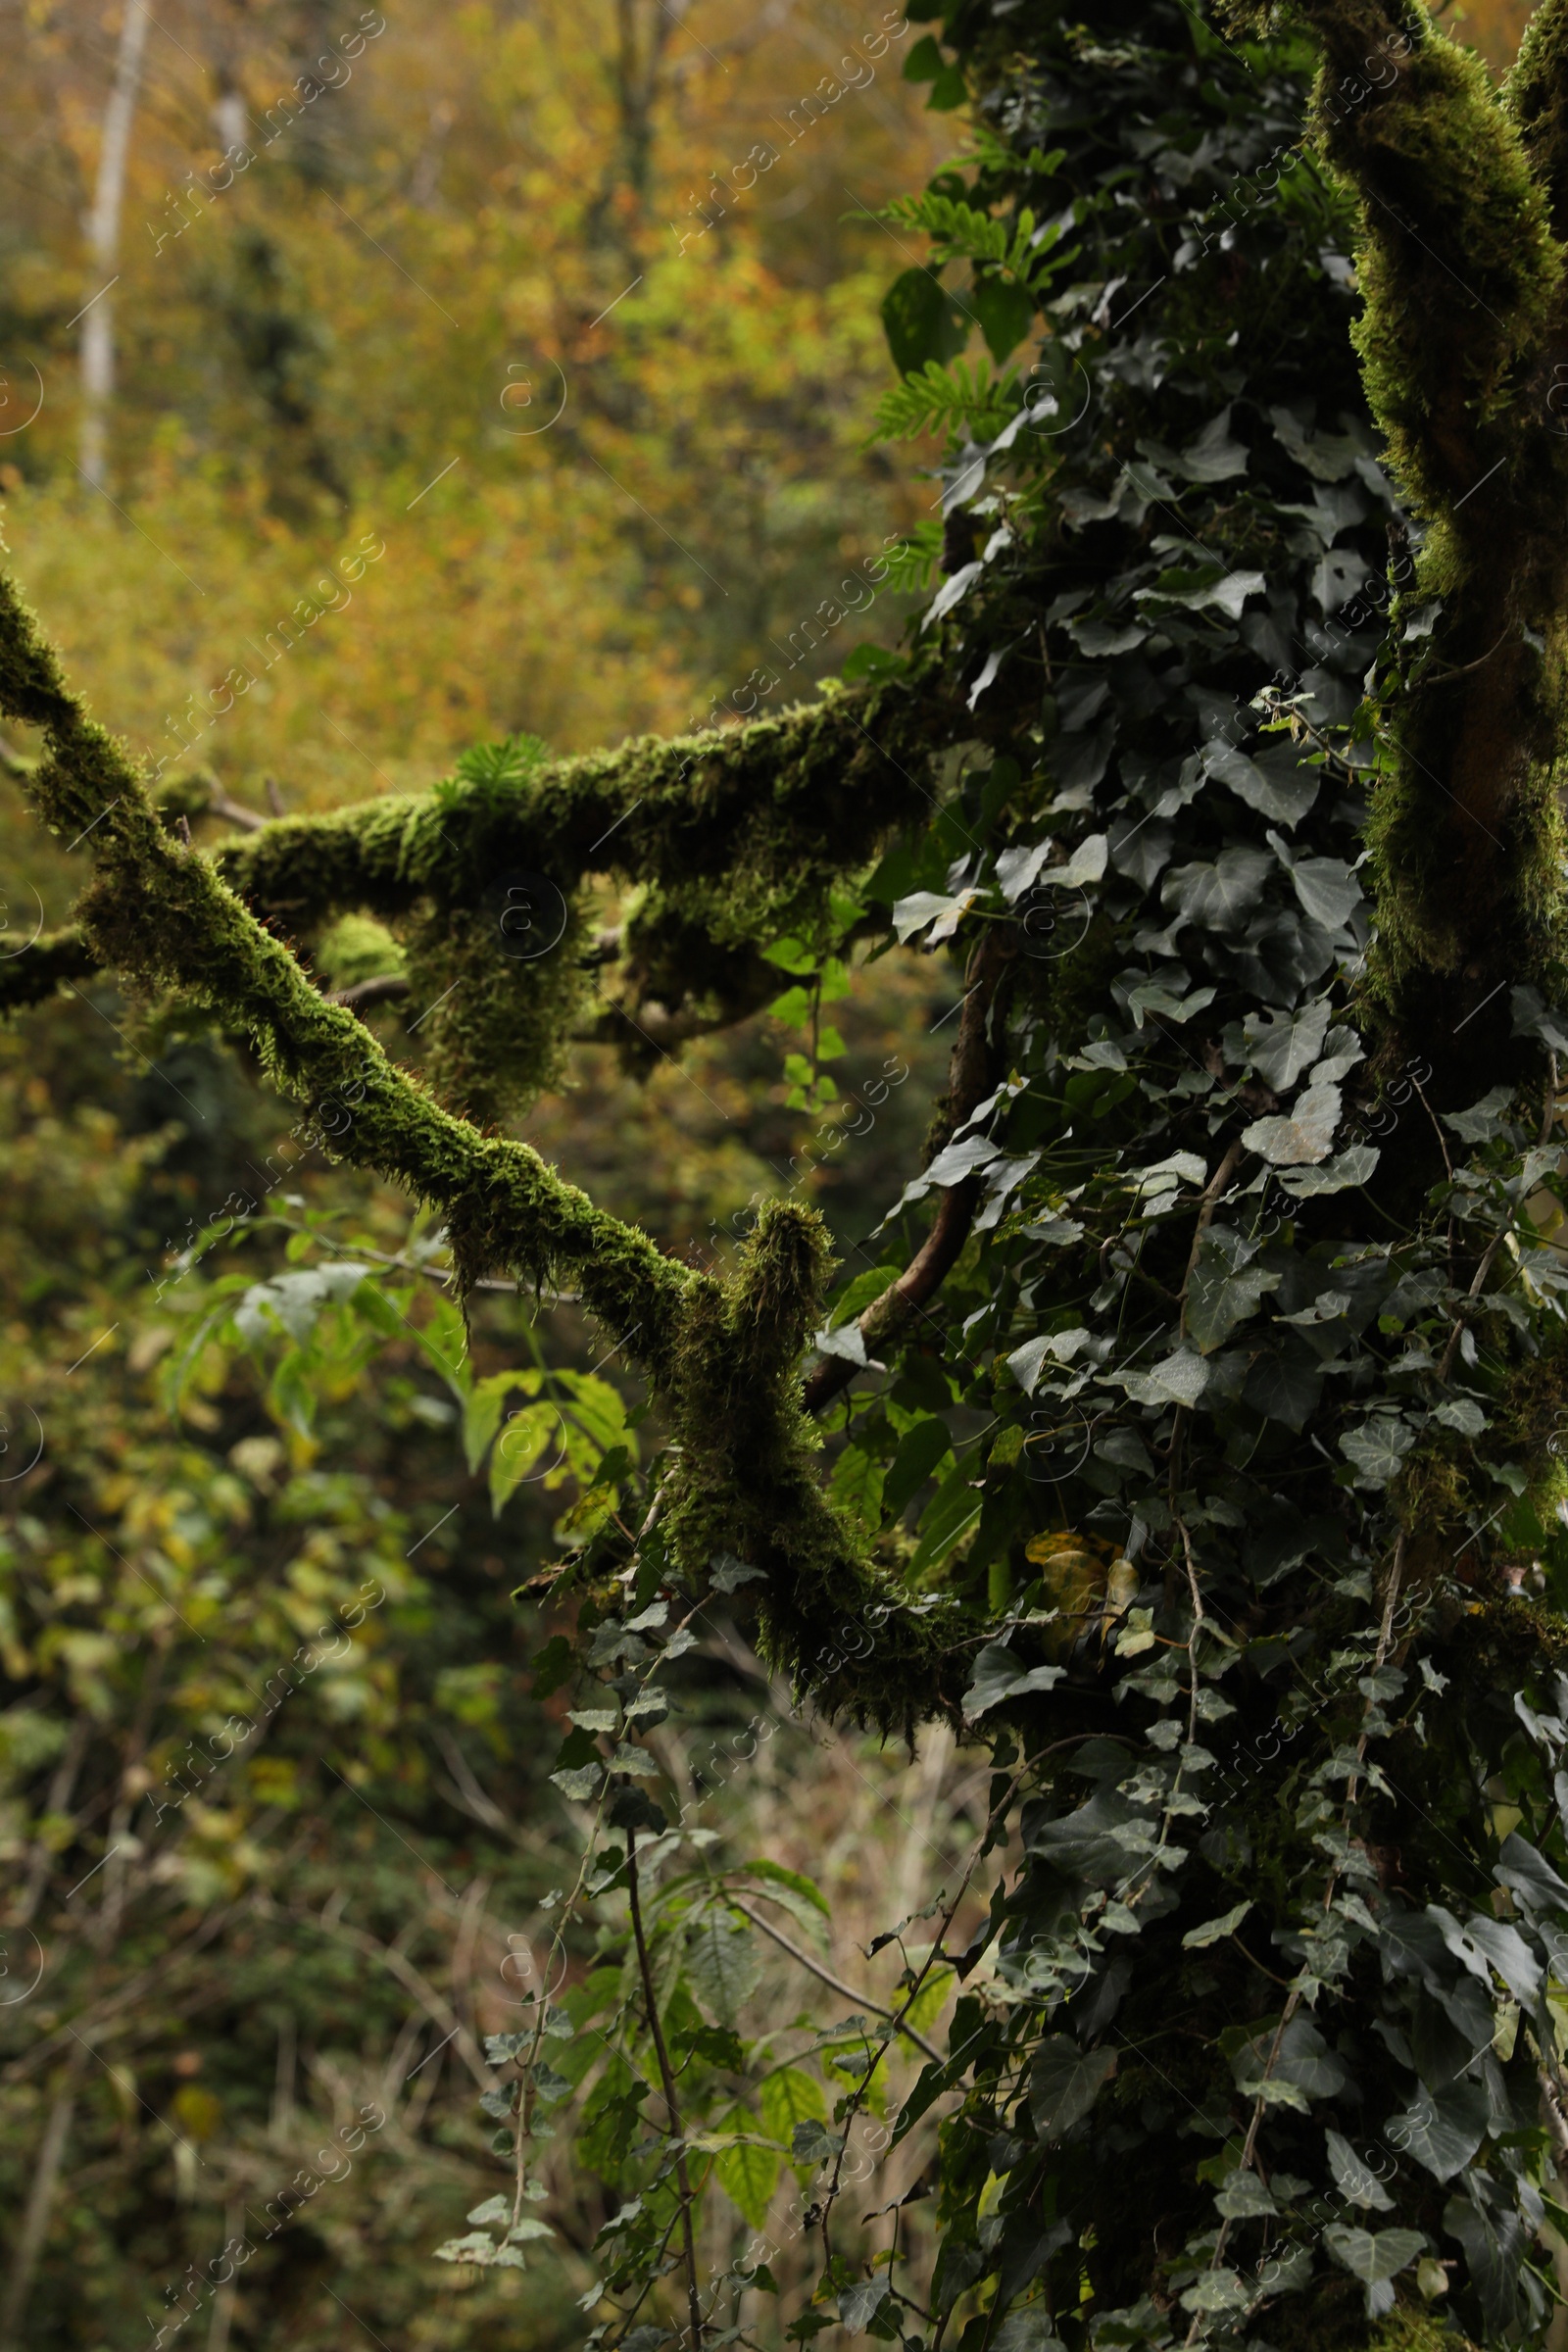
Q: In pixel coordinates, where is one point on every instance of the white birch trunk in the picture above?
(103, 246)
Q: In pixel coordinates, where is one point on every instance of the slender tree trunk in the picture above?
(103, 245)
(35, 2229)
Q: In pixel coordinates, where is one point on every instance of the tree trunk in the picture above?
(103, 246)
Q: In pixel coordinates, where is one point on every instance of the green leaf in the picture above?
(611, 2121)
(519, 1446)
(1214, 1930)
(859, 2304)
(797, 1881)
(746, 2172)
(922, 1447)
(1064, 2082)
(790, 2097)
(922, 322)
(1378, 1448)
(1005, 312)
(1441, 2128)
(999, 1675)
(1225, 1288)
(858, 1483)
(481, 1413)
(1375, 2258)
(721, 1964)
(950, 1515)
(1218, 2291)
(860, 1292)
(1353, 2178)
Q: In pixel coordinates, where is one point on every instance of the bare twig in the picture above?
(379, 990)
(826, 1977)
(1472, 1294)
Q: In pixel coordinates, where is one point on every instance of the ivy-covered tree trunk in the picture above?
(1203, 1461)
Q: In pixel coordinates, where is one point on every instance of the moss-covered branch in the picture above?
(1462, 279)
(53, 960)
(723, 1355)
(773, 812)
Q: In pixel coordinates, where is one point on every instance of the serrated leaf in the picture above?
(746, 2172)
(788, 2097)
(721, 1964)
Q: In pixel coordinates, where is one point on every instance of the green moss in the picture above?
(744, 1476)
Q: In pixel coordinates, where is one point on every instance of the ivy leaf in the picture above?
(1283, 1046)
(1335, 1175)
(1218, 896)
(1064, 2082)
(1304, 1134)
(477, 2247)
(1325, 887)
(1376, 1449)
(923, 906)
(1353, 2178)
(1244, 2198)
(1226, 1289)
(1481, 1121)
(1374, 2259)
(998, 1676)
(1277, 783)
(1179, 1380)
(1028, 2329)
(727, 1573)
(1214, 1930)
(1218, 2290)
(859, 2304)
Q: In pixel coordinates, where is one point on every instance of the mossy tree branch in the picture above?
(1465, 324)
(724, 1355)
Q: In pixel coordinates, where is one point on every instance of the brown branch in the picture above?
(971, 1075)
(826, 1977)
(1206, 1213)
(667, 2081)
(377, 991)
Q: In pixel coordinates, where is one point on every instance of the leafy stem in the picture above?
(668, 2084)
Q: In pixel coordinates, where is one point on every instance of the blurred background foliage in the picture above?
(220, 1971)
(226, 1954)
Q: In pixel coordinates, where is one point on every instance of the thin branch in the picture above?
(970, 1078)
(1473, 1294)
(826, 1977)
(1207, 1206)
(668, 2080)
(378, 991)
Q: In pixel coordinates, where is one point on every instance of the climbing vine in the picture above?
(1193, 1446)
